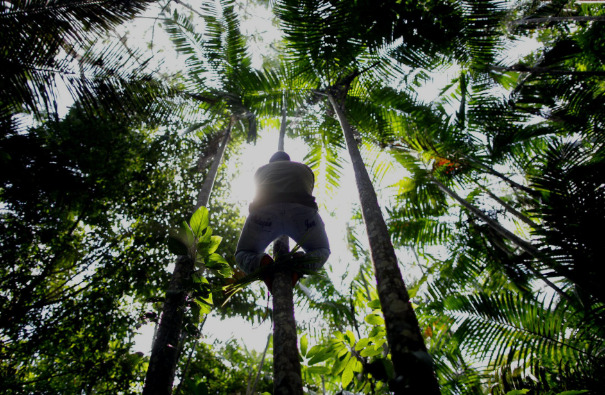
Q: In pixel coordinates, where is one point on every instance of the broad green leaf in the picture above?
(205, 307)
(215, 241)
(517, 392)
(371, 351)
(348, 373)
(304, 342)
(357, 366)
(315, 350)
(374, 319)
(350, 338)
(318, 370)
(362, 343)
(343, 351)
(225, 271)
(199, 221)
(320, 357)
(388, 366)
(217, 258)
(186, 235)
(206, 236)
(340, 364)
(374, 304)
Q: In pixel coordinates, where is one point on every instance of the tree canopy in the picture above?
(479, 125)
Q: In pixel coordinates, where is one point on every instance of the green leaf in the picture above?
(517, 392)
(347, 375)
(204, 306)
(350, 337)
(217, 258)
(362, 343)
(225, 271)
(340, 364)
(185, 234)
(320, 356)
(206, 237)
(371, 351)
(374, 319)
(199, 221)
(304, 342)
(215, 241)
(318, 370)
(374, 304)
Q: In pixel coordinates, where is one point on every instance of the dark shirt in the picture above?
(284, 182)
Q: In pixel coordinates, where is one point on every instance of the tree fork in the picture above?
(413, 365)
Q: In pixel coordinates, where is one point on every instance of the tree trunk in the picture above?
(413, 366)
(510, 208)
(286, 363)
(547, 70)
(282, 127)
(577, 18)
(164, 353)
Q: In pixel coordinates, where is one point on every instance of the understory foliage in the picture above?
(492, 187)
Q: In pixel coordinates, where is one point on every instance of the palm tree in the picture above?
(35, 63)
(219, 56)
(328, 48)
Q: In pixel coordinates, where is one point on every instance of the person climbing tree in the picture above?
(283, 205)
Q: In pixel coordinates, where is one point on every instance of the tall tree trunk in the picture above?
(577, 18)
(165, 349)
(282, 127)
(286, 363)
(287, 377)
(413, 365)
(509, 208)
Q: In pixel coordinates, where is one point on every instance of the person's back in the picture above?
(283, 205)
(284, 182)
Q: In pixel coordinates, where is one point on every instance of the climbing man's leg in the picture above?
(259, 231)
(305, 226)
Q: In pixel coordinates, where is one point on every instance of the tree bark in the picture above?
(164, 352)
(413, 365)
(282, 127)
(286, 363)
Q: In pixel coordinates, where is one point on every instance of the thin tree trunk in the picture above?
(251, 388)
(578, 18)
(504, 178)
(509, 208)
(204, 195)
(286, 364)
(164, 353)
(282, 127)
(547, 70)
(413, 365)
